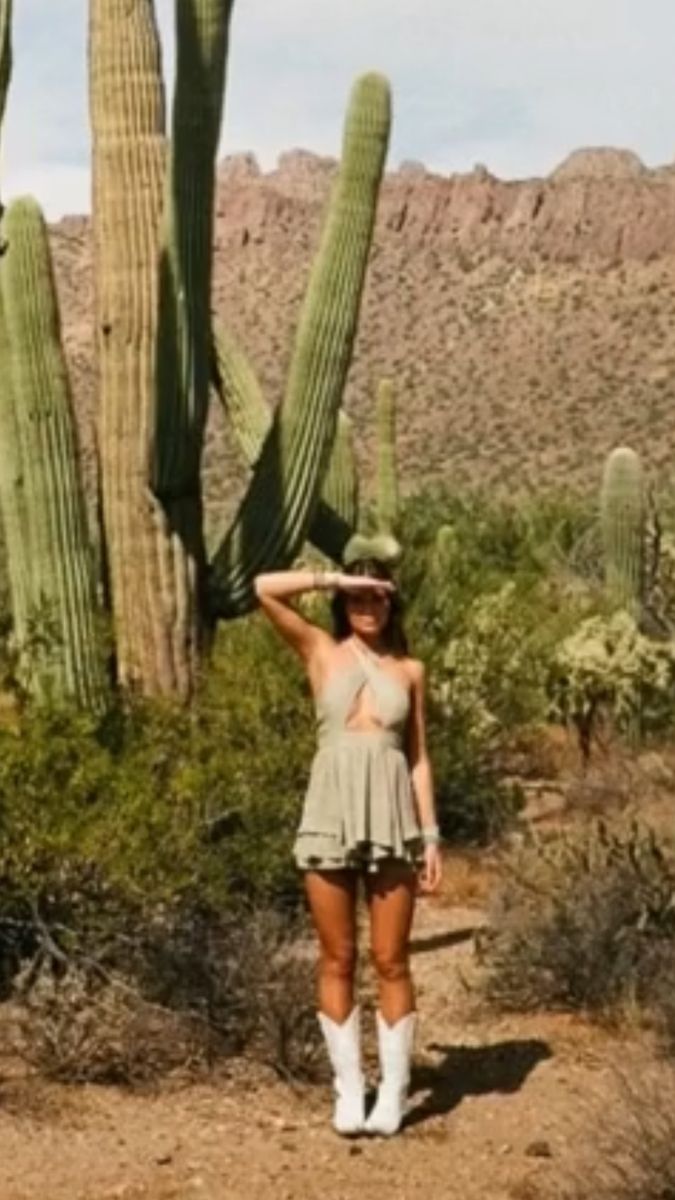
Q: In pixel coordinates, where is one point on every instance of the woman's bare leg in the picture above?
(332, 897)
(390, 894)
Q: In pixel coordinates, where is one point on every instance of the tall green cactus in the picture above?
(5, 53)
(250, 418)
(151, 570)
(184, 336)
(153, 233)
(387, 502)
(623, 514)
(51, 567)
(293, 461)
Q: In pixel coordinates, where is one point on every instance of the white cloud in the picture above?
(515, 84)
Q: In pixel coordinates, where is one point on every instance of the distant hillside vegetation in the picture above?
(528, 326)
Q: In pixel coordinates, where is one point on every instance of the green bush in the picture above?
(608, 671)
(490, 596)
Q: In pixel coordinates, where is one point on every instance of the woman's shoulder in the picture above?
(414, 668)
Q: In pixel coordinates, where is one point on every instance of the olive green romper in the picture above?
(359, 805)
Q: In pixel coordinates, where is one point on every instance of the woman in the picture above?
(368, 811)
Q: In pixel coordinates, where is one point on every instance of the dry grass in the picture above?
(248, 989)
(469, 878)
(584, 921)
(631, 1151)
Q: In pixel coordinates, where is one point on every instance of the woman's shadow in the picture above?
(473, 1071)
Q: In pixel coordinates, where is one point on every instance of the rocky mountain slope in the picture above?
(527, 325)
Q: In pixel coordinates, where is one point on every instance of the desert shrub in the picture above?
(496, 673)
(475, 805)
(81, 1028)
(607, 671)
(486, 544)
(147, 886)
(167, 991)
(497, 619)
(585, 921)
(632, 1150)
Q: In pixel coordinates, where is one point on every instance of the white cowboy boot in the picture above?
(344, 1051)
(395, 1044)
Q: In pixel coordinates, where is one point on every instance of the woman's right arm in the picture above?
(276, 589)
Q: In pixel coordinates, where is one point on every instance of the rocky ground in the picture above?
(499, 1108)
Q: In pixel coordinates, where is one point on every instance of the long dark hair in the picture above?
(393, 634)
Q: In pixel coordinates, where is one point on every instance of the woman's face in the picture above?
(368, 611)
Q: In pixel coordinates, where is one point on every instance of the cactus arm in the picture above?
(184, 341)
(5, 53)
(387, 503)
(46, 513)
(12, 507)
(623, 513)
(239, 390)
(273, 519)
(337, 514)
(240, 393)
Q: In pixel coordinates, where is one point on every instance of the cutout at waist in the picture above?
(380, 737)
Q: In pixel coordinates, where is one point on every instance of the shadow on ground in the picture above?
(438, 941)
(473, 1071)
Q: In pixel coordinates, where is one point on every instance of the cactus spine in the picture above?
(51, 573)
(623, 514)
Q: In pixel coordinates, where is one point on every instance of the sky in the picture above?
(512, 84)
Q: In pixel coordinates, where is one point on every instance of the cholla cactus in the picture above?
(607, 669)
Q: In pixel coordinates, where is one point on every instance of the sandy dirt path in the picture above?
(498, 1109)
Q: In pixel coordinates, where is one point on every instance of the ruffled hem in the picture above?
(323, 852)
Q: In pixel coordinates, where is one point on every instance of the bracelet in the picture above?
(431, 835)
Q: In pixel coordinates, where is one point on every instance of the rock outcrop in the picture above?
(527, 325)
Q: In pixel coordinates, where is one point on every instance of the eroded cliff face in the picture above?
(527, 325)
(601, 203)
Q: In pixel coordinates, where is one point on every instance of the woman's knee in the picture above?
(339, 961)
(390, 967)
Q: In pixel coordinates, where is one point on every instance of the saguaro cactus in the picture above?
(623, 512)
(152, 570)
(154, 399)
(51, 568)
(153, 231)
(295, 455)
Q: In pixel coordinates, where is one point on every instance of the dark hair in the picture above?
(393, 634)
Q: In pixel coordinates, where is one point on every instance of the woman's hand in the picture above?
(432, 871)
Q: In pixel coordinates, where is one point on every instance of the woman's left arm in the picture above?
(418, 758)
(422, 776)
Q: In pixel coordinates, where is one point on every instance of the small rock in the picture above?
(539, 1149)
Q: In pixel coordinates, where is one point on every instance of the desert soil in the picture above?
(498, 1108)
